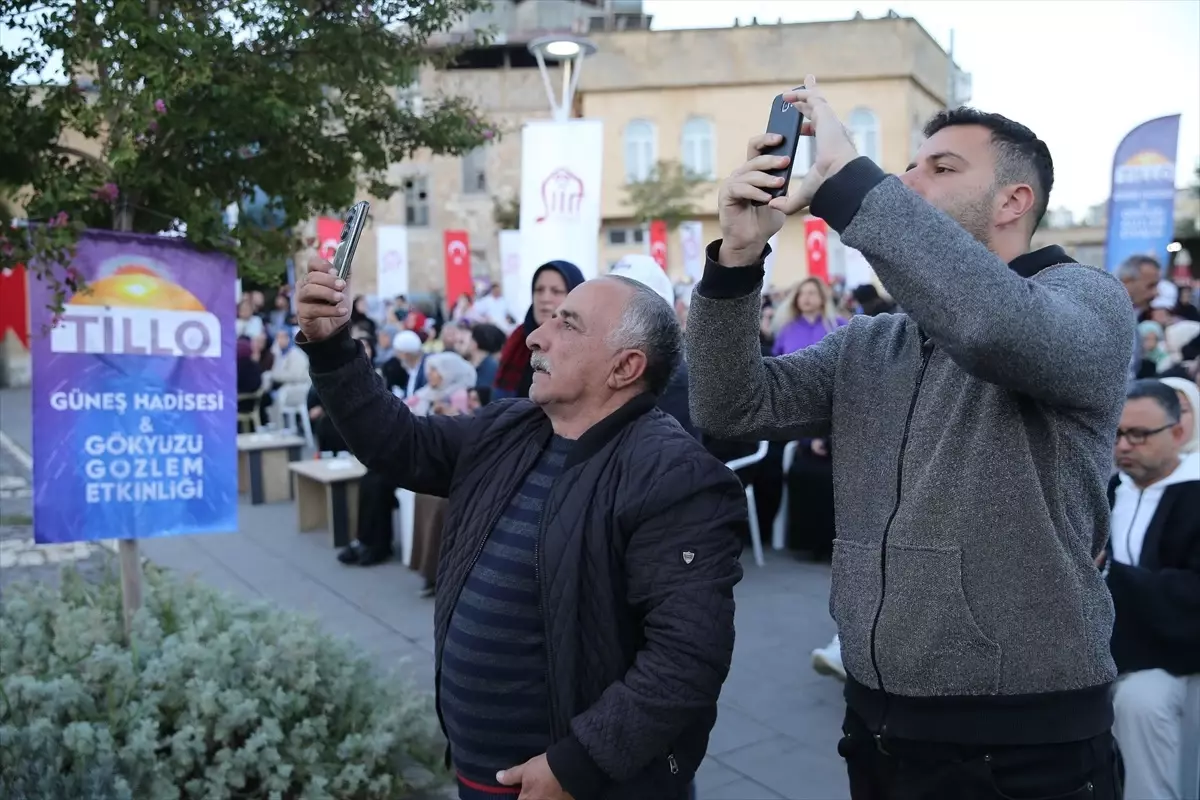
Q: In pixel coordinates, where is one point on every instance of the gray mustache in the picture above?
(539, 362)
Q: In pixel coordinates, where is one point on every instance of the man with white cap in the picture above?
(645, 270)
(405, 370)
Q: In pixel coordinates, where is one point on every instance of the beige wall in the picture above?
(729, 76)
(891, 66)
(509, 97)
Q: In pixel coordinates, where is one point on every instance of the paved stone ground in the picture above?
(779, 722)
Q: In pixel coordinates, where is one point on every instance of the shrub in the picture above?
(213, 699)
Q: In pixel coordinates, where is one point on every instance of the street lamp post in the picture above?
(569, 51)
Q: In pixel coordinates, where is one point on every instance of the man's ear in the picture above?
(1017, 202)
(628, 368)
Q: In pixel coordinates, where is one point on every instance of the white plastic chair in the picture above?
(1189, 763)
(741, 463)
(288, 416)
(779, 527)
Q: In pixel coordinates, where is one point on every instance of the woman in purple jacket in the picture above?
(805, 317)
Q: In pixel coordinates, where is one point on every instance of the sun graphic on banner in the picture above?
(135, 282)
(1146, 158)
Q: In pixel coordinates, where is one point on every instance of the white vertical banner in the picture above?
(560, 196)
(769, 264)
(516, 289)
(691, 244)
(391, 250)
(858, 270)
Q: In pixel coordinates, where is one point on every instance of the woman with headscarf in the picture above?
(450, 380)
(359, 318)
(1189, 407)
(551, 284)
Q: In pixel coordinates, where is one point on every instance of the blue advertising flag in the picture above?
(1141, 207)
(135, 394)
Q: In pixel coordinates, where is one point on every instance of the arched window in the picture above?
(698, 147)
(864, 130)
(641, 150)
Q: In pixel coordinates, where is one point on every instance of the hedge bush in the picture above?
(213, 699)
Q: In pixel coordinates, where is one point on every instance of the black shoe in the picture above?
(374, 555)
(429, 590)
(352, 554)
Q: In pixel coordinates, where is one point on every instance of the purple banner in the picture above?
(135, 394)
(1141, 207)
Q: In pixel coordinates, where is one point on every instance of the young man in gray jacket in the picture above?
(974, 443)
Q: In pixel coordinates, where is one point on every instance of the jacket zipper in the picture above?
(926, 354)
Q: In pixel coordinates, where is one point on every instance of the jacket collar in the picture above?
(1032, 263)
(600, 434)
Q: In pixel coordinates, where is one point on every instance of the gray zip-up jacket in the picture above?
(974, 439)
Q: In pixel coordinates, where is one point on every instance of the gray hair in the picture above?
(650, 326)
(1131, 268)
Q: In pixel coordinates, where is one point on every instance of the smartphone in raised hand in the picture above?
(785, 121)
(356, 220)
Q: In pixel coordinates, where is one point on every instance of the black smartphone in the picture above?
(785, 120)
(356, 220)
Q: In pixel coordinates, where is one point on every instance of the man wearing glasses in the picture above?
(1153, 570)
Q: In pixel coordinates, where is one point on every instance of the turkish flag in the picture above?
(329, 233)
(14, 304)
(458, 266)
(816, 245)
(658, 242)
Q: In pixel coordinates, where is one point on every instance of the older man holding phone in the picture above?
(974, 442)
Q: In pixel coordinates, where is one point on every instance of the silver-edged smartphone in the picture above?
(356, 220)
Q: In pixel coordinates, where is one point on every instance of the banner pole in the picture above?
(128, 550)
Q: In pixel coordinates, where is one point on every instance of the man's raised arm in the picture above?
(419, 453)
(735, 393)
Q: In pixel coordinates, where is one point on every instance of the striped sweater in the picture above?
(495, 700)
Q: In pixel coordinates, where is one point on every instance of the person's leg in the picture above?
(827, 660)
(868, 769)
(376, 495)
(1148, 729)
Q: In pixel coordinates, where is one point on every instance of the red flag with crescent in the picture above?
(816, 246)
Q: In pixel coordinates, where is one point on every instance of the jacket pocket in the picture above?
(853, 600)
(928, 642)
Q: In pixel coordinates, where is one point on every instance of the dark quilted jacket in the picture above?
(638, 560)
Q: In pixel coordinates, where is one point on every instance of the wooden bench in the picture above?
(263, 460)
(327, 496)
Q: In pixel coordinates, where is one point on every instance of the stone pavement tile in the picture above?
(387, 592)
(736, 729)
(743, 789)
(713, 775)
(792, 770)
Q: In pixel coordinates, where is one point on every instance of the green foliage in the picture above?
(214, 699)
(190, 106)
(507, 213)
(669, 194)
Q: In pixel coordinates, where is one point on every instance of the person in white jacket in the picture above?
(288, 377)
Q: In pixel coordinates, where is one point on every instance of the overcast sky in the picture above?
(1080, 74)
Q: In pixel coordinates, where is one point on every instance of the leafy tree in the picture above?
(187, 106)
(507, 213)
(670, 194)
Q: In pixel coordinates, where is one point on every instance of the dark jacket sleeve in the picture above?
(681, 565)
(1157, 616)
(418, 453)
